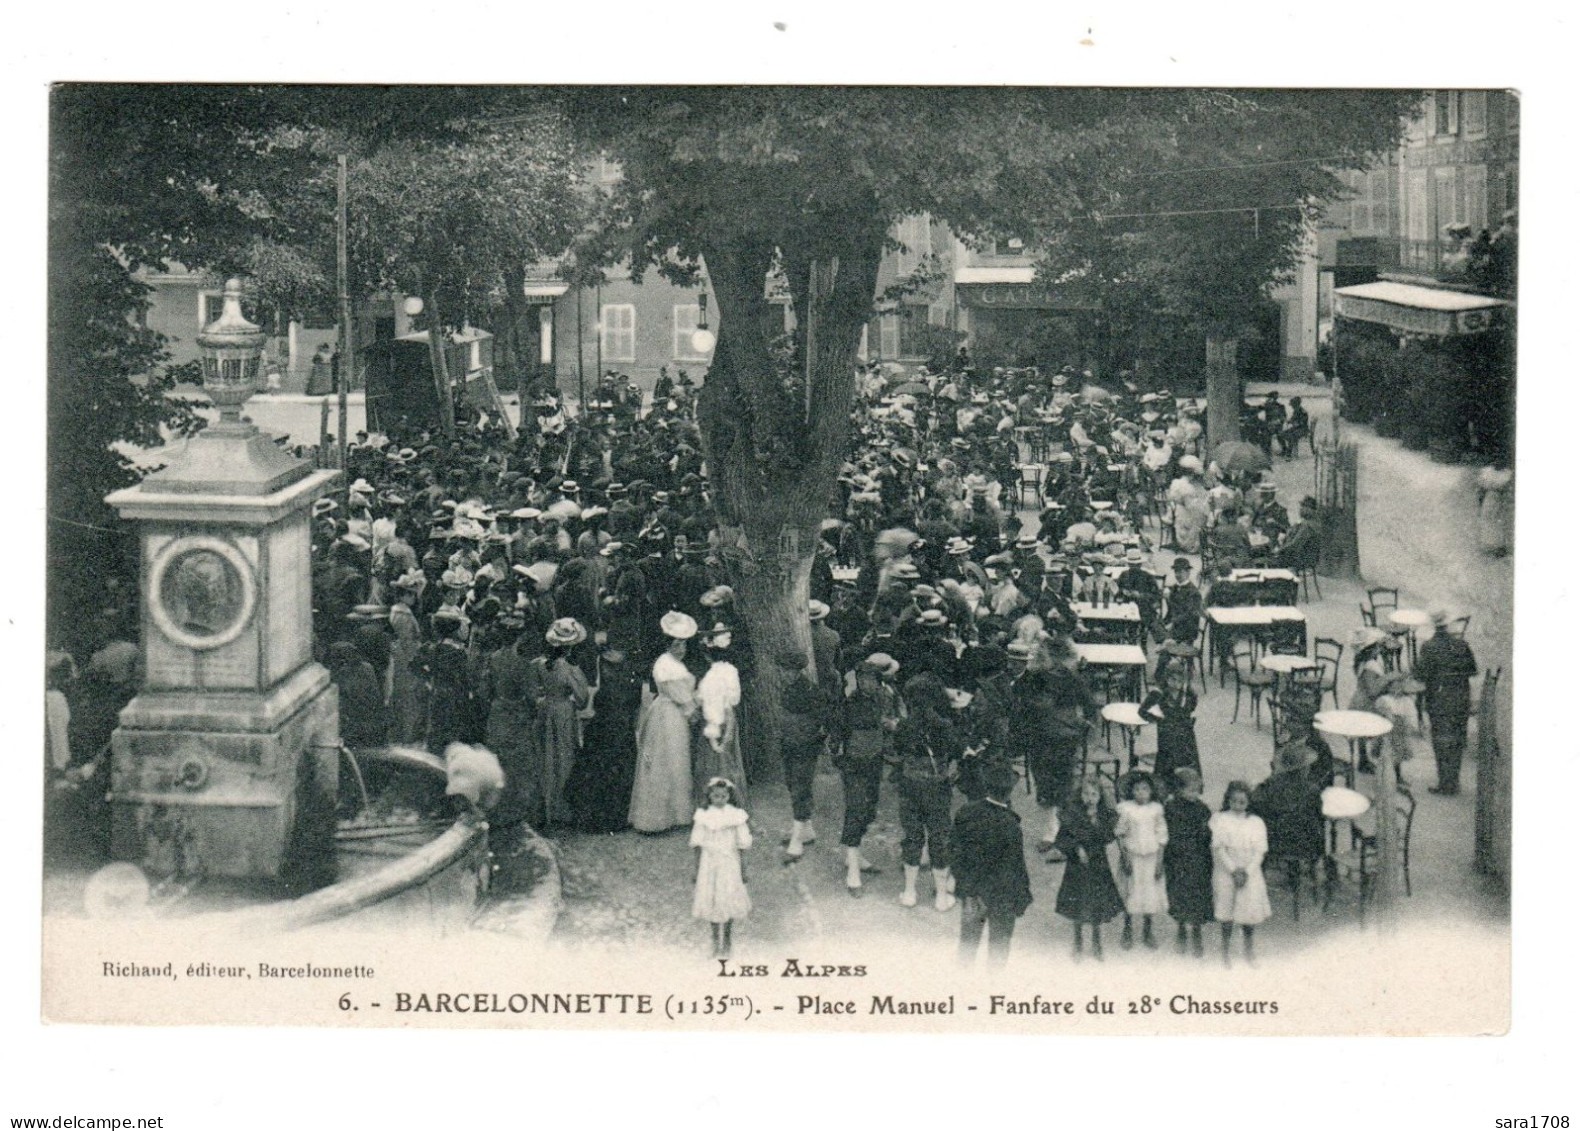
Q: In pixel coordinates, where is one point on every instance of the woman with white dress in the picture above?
(717, 751)
(661, 799)
(1239, 890)
(1188, 494)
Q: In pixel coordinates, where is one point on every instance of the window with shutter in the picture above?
(1377, 193)
(1474, 109)
(915, 233)
(889, 336)
(617, 332)
(912, 330)
(1476, 197)
(1443, 191)
(685, 325)
(1418, 206)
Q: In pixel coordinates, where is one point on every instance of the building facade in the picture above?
(1418, 271)
(1458, 165)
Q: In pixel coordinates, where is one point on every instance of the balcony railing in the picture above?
(1389, 253)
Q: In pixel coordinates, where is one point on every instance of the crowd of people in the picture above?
(560, 597)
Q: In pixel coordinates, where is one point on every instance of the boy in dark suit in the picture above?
(989, 857)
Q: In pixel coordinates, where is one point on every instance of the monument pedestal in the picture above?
(243, 787)
(226, 762)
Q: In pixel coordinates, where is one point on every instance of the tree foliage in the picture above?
(1211, 203)
(143, 176)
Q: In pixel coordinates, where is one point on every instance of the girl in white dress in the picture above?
(720, 834)
(1239, 890)
(1142, 832)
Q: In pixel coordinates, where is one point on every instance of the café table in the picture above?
(1129, 657)
(845, 575)
(1129, 719)
(1340, 803)
(1262, 575)
(1408, 622)
(1282, 665)
(1357, 728)
(1256, 621)
(1126, 614)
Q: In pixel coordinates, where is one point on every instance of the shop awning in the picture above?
(1420, 310)
(1014, 288)
(541, 293)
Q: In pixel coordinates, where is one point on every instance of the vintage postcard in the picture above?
(1030, 560)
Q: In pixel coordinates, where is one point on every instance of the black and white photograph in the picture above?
(759, 529)
(768, 564)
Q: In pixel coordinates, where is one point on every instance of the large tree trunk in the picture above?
(1223, 389)
(774, 445)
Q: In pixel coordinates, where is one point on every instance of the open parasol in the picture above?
(1236, 457)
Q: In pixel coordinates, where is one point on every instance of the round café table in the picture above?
(1408, 622)
(1129, 719)
(1282, 664)
(1342, 804)
(1357, 728)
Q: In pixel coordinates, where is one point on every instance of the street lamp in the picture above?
(232, 348)
(702, 339)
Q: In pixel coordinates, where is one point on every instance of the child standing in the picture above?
(1187, 859)
(1142, 834)
(1088, 894)
(1239, 890)
(719, 834)
(1173, 706)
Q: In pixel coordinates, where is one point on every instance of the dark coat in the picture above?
(1187, 860)
(1446, 665)
(1176, 732)
(806, 712)
(989, 857)
(1290, 805)
(1088, 893)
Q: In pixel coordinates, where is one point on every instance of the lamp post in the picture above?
(702, 339)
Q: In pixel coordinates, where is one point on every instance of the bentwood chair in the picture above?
(1381, 601)
(1328, 666)
(1248, 678)
(1362, 863)
(1030, 482)
(1325, 647)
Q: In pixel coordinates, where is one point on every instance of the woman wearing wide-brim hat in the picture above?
(566, 694)
(661, 798)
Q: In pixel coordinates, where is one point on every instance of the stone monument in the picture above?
(226, 762)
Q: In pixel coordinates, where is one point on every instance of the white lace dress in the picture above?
(722, 835)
